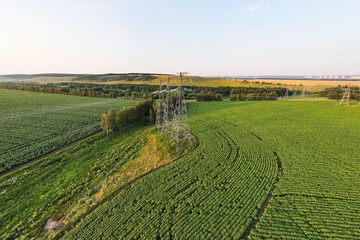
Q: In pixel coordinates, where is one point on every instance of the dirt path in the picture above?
(265, 204)
(46, 155)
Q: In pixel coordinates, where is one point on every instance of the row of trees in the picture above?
(272, 96)
(61, 90)
(209, 96)
(338, 92)
(141, 111)
(138, 91)
(238, 94)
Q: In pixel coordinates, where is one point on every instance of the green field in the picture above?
(297, 160)
(217, 190)
(69, 184)
(33, 124)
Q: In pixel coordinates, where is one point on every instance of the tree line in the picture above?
(208, 96)
(338, 92)
(88, 92)
(142, 91)
(117, 121)
(236, 95)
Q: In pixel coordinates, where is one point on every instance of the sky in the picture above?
(203, 37)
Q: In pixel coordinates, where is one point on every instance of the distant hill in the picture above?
(27, 76)
(7, 79)
(39, 78)
(112, 77)
(157, 78)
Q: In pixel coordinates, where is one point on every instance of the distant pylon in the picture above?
(302, 96)
(286, 93)
(346, 97)
(160, 109)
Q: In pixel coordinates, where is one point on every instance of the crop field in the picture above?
(262, 170)
(33, 124)
(217, 190)
(67, 185)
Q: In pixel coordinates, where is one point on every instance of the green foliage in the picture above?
(52, 88)
(33, 124)
(338, 92)
(136, 91)
(126, 116)
(202, 97)
(236, 95)
(107, 122)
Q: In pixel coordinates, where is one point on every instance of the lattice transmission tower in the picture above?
(171, 118)
(180, 132)
(346, 97)
(168, 111)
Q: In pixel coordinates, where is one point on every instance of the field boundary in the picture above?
(47, 154)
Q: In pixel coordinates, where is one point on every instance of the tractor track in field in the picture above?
(270, 195)
(267, 200)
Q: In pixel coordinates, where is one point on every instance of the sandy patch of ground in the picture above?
(53, 225)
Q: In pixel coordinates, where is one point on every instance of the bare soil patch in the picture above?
(53, 225)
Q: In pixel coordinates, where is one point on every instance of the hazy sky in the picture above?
(203, 37)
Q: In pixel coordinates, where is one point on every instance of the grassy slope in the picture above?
(71, 183)
(32, 124)
(317, 198)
